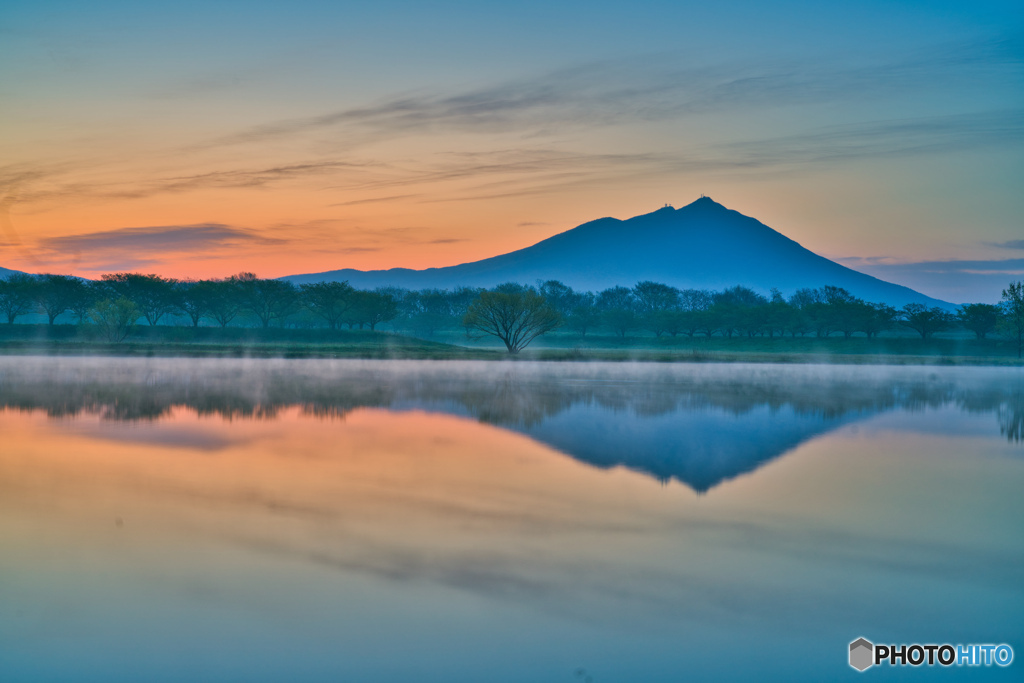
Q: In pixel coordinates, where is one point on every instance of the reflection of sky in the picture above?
(390, 546)
(198, 140)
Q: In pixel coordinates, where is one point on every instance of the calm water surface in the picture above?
(181, 520)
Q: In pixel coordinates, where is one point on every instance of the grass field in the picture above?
(234, 342)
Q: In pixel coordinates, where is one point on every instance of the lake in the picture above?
(294, 520)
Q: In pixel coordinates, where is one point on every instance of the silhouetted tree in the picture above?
(777, 315)
(372, 309)
(923, 320)
(329, 300)
(843, 310)
(154, 296)
(84, 296)
(877, 318)
(694, 304)
(618, 309)
(192, 300)
(739, 309)
(56, 293)
(268, 300)
(559, 296)
(654, 303)
(17, 296)
(514, 314)
(981, 319)
(584, 315)
(1013, 309)
(222, 299)
(815, 314)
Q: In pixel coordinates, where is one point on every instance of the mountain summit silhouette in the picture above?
(701, 245)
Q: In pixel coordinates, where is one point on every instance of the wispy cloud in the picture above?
(1011, 244)
(997, 266)
(203, 237)
(650, 88)
(376, 200)
(956, 280)
(877, 139)
(145, 247)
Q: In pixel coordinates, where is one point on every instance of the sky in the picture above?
(196, 139)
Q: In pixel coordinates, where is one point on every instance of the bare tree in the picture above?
(514, 314)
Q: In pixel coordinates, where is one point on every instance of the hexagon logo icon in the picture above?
(862, 654)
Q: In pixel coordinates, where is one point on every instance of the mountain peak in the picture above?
(702, 245)
(704, 202)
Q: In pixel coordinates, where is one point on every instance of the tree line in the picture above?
(511, 312)
(118, 301)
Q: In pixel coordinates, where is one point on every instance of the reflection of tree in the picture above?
(511, 395)
(1011, 418)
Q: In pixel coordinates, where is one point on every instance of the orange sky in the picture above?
(362, 138)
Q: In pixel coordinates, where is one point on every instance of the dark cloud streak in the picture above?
(160, 239)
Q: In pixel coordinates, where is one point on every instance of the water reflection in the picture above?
(698, 424)
(319, 521)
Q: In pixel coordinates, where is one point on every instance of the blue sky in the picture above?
(327, 135)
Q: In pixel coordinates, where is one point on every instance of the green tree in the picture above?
(514, 314)
(115, 317)
(1013, 309)
(981, 319)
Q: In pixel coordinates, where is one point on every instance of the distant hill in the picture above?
(7, 272)
(702, 245)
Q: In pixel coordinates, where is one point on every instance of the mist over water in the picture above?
(174, 519)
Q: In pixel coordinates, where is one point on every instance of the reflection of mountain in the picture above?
(700, 447)
(699, 424)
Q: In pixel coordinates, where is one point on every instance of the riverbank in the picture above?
(209, 342)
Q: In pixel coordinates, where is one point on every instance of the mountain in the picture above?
(702, 245)
(7, 272)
